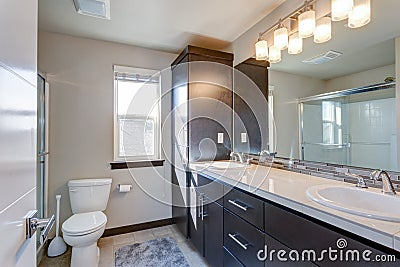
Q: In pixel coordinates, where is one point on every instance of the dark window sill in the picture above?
(137, 164)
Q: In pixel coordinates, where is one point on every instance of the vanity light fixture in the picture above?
(340, 9)
(323, 30)
(295, 44)
(360, 14)
(281, 37)
(261, 49)
(357, 11)
(275, 54)
(307, 23)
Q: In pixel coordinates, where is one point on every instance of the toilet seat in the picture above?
(84, 223)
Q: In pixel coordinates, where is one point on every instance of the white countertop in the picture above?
(289, 189)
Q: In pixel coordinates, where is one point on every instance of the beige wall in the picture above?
(80, 74)
(287, 89)
(397, 47)
(360, 79)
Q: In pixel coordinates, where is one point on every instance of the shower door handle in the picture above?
(32, 223)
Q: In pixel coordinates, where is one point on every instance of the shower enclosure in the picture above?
(42, 151)
(354, 127)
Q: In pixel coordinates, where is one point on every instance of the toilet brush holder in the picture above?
(57, 246)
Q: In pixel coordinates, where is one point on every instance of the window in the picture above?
(136, 114)
(332, 123)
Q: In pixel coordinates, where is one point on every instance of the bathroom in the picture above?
(319, 124)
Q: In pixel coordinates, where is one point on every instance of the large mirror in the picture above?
(344, 110)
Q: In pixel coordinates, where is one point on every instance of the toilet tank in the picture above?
(88, 195)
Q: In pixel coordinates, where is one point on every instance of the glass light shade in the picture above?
(361, 14)
(307, 24)
(261, 50)
(281, 38)
(295, 44)
(275, 55)
(340, 9)
(323, 30)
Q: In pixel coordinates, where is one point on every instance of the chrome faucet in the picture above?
(387, 185)
(267, 154)
(241, 157)
(237, 156)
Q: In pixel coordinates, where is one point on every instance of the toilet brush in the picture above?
(57, 245)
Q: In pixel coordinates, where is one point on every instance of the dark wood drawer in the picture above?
(230, 260)
(247, 207)
(300, 233)
(271, 259)
(242, 239)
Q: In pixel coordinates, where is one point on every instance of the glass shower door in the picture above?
(41, 150)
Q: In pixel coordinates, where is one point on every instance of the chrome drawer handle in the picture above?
(233, 237)
(233, 202)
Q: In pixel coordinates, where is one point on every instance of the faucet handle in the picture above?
(360, 180)
(248, 160)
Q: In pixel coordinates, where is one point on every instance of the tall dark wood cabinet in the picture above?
(250, 105)
(201, 110)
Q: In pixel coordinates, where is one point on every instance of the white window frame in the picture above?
(157, 120)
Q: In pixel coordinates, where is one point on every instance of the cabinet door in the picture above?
(213, 234)
(196, 225)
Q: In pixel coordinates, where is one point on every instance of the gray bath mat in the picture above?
(160, 252)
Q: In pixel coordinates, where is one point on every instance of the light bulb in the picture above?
(295, 44)
(340, 9)
(323, 30)
(361, 14)
(281, 38)
(307, 24)
(274, 54)
(261, 49)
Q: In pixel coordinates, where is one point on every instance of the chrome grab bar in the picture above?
(233, 237)
(233, 202)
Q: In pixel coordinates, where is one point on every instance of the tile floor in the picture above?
(109, 245)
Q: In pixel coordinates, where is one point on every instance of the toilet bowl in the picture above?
(88, 199)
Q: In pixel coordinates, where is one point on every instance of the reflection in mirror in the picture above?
(354, 127)
(250, 105)
(358, 129)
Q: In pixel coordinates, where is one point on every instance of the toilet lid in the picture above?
(84, 223)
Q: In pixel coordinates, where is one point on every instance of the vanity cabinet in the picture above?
(231, 230)
(206, 218)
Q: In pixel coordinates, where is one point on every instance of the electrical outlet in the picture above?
(220, 138)
(243, 137)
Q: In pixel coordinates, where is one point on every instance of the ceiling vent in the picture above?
(323, 58)
(93, 8)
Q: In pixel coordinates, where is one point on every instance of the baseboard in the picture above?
(137, 227)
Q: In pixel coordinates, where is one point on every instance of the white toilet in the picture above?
(88, 199)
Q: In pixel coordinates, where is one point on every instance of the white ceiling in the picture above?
(167, 25)
(365, 48)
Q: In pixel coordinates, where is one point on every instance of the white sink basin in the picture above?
(370, 203)
(227, 165)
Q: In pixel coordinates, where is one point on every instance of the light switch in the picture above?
(220, 138)
(243, 137)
